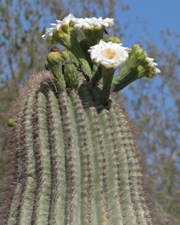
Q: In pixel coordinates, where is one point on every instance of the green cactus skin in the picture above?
(132, 70)
(69, 57)
(73, 160)
(97, 76)
(71, 75)
(55, 62)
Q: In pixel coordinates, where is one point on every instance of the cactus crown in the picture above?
(74, 156)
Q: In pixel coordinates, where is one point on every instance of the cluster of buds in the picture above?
(98, 58)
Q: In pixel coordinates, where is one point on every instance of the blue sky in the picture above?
(155, 15)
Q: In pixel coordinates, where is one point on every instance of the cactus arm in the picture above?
(123, 80)
(138, 65)
(55, 62)
(129, 72)
(71, 76)
(70, 58)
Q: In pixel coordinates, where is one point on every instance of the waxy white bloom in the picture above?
(92, 23)
(65, 21)
(48, 36)
(153, 67)
(77, 23)
(108, 54)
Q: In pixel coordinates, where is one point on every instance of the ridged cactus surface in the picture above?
(73, 158)
(75, 162)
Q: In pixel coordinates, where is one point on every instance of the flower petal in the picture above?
(92, 23)
(108, 54)
(152, 67)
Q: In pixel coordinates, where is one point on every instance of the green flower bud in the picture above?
(114, 40)
(11, 123)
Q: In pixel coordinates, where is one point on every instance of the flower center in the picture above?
(109, 53)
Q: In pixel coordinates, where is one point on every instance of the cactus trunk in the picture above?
(75, 161)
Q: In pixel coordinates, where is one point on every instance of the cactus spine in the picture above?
(74, 156)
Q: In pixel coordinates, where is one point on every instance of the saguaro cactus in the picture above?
(73, 155)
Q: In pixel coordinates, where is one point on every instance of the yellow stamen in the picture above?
(109, 53)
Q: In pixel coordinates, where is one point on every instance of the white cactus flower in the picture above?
(65, 21)
(108, 54)
(92, 23)
(48, 36)
(153, 67)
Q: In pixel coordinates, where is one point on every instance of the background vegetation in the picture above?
(154, 104)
